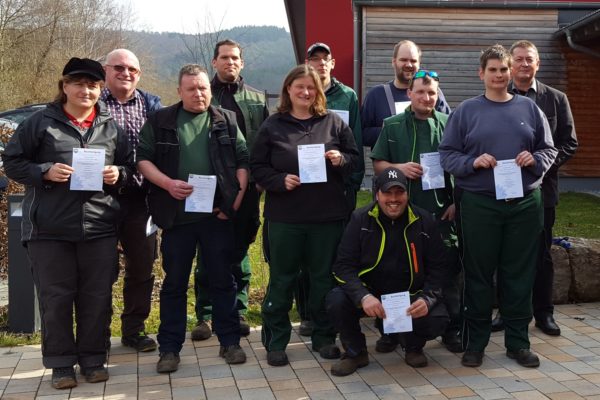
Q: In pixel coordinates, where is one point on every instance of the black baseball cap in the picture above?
(84, 66)
(317, 47)
(390, 177)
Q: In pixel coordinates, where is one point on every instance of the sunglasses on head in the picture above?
(122, 68)
(423, 73)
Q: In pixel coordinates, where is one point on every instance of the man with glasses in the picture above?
(390, 98)
(409, 141)
(342, 100)
(231, 92)
(129, 107)
(555, 105)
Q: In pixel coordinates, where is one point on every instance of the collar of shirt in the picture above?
(86, 123)
(531, 92)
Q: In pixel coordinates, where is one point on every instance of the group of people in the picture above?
(196, 170)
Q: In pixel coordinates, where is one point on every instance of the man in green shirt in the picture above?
(404, 140)
(196, 161)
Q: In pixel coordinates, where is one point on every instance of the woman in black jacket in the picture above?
(69, 226)
(306, 219)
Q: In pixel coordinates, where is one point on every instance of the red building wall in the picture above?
(331, 22)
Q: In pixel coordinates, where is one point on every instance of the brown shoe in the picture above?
(415, 358)
(348, 365)
(63, 378)
(202, 330)
(233, 354)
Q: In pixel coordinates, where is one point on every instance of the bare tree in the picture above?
(201, 44)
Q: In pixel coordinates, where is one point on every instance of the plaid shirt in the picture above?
(130, 116)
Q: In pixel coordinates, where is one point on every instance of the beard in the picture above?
(402, 75)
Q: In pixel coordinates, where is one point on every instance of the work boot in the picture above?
(244, 327)
(386, 344)
(94, 374)
(306, 328)
(233, 354)
(277, 358)
(547, 324)
(453, 342)
(168, 362)
(63, 378)
(140, 342)
(348, 365)
(472, 359)
(328, 351)
(524, 357)
(415, 358)
(202, 330)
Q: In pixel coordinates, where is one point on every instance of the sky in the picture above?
(193, 16)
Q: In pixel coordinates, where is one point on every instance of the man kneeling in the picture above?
(389, 246)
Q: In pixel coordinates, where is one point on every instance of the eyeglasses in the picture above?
(423, 73)
(122, 68)
(319, 59)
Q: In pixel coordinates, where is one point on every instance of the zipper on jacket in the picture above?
(414, 257)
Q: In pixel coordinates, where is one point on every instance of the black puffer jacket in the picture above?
(51, 210)
(359, 271)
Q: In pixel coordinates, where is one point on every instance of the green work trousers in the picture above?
(499, 237)
(312, 246)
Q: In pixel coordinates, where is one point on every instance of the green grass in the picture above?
(577, 216)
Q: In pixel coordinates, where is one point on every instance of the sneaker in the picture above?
(94, 374)
(348, 365)
(386, 344)
(244, 327)
(63, 378)
(524, 357)
(233, 354)
(277, 358)
(168, 362)
(202, 330)
(472, 359)
(328, 351)
(415, 358)
(306, 328)
(140, 342)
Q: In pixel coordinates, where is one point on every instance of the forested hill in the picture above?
(268, 56)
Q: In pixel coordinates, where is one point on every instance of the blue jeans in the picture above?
(215, 240)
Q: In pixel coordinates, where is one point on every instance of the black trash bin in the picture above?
(23, 312)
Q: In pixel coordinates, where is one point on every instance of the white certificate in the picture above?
(311, 163)
(433, 174)
(203, 195)
(344, 114)
(508, 181)
(396, 320)
(88, 165)
(401, 106)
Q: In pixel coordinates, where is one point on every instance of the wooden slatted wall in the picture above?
(452, 39)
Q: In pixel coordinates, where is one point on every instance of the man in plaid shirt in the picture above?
(129, 107)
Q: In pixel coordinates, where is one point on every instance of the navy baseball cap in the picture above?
(390, 177)
(317, 47)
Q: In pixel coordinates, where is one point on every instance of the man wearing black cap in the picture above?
(342, 100)
(389, 246)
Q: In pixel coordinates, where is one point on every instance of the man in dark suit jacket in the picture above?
(554, 103)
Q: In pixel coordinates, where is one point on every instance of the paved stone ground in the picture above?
(570, 369)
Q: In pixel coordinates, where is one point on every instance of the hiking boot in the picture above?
(386, 344)
(348, 365)
(233, 354)
(306, 328)
(202, 330)
(277, 358)
(472, 359)
(168, 362)
(140, 342)
(328, 351)
(94, 374)
(415, 358)
(63, 378)
(244, 327)
(524, 357)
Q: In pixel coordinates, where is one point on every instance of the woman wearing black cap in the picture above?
(69, 230)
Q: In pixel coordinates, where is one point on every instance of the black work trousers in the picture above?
(74, 274)
(544, 276)
(345, 316)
